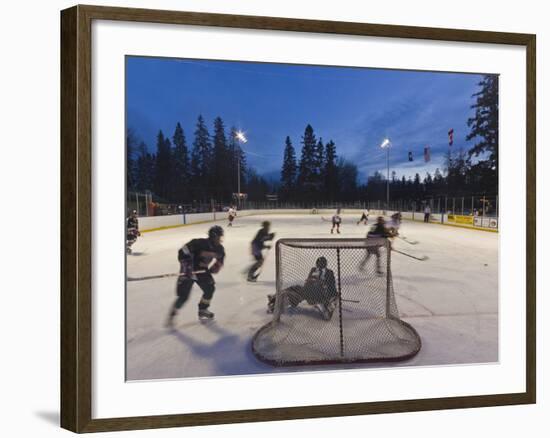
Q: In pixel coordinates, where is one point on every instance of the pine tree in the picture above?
(145, 169)
(201, 157)
(131, 151)
(220, 179)
(320, 160)
(307, 166)
(288, 171)
(438, 182)
(347, 180)
(416, 186)
(484, 129)
(484, 125)
(181, 165)
(163, 167)
(331, 171)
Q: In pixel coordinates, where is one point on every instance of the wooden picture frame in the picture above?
(76, 217)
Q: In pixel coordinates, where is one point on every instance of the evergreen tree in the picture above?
(320, 160)
(131, 151)
(220, 179)
(347, 180)
(288, 171)
(201, 157)
(438, 182)
(331, 171)
(256, 187)
(307, 167)
(484, 125)
(181, 165)
(145, 169)
(416, 186)
(163, 167)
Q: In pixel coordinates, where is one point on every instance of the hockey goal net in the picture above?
(334, 302)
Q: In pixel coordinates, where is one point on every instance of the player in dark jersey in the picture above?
(196, 266)
(378, 230)
(132, 231)
(257, 245)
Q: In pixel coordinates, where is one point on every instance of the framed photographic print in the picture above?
(325, 218)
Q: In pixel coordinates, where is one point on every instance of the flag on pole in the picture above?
(410, 156)
(451, 132)
(426, 153)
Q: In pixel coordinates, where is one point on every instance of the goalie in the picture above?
(319, 291)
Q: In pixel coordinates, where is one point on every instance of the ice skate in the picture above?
(170, 320)
(205, 315)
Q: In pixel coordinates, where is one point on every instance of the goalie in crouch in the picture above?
(319, 291)
(196, 266)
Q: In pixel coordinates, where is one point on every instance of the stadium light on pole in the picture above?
(241, 138)
(386, 145)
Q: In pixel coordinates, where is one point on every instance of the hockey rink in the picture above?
(451, 299)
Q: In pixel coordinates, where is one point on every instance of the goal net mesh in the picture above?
(334, 302)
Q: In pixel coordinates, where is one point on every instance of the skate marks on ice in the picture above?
(455, 314)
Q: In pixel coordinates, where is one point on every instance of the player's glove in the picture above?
(186, 268)
(215, 268)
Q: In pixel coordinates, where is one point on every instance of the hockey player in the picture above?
(364, 217)
(257, 245)
(132, 231)
(319, 291)
(395, 223)
(378, 230)
(196, 266)
(231, 214)
(336, 221)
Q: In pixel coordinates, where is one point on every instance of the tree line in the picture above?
(319, 175)
(179, 173)
(211, 166)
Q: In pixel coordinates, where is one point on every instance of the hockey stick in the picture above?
(350, 301)
(152, 277)
(423, 258)
(410, 242)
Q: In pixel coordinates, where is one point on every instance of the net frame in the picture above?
(391, 311)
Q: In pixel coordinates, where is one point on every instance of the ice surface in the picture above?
(451, 299)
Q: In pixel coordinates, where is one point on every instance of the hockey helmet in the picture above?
(215, 231)
(321, 262)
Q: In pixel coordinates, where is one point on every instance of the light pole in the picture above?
(241, 138)
(386, 145)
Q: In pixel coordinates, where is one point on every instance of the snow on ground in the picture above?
(451, 299)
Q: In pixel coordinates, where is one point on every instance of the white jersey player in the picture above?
(394, 224)
(336, 221)
(231, 214)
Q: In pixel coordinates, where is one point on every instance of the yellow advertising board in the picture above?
(458, 219)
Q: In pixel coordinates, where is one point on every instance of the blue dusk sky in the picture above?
(355, 107)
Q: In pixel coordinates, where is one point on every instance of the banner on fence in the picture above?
(458, 219)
